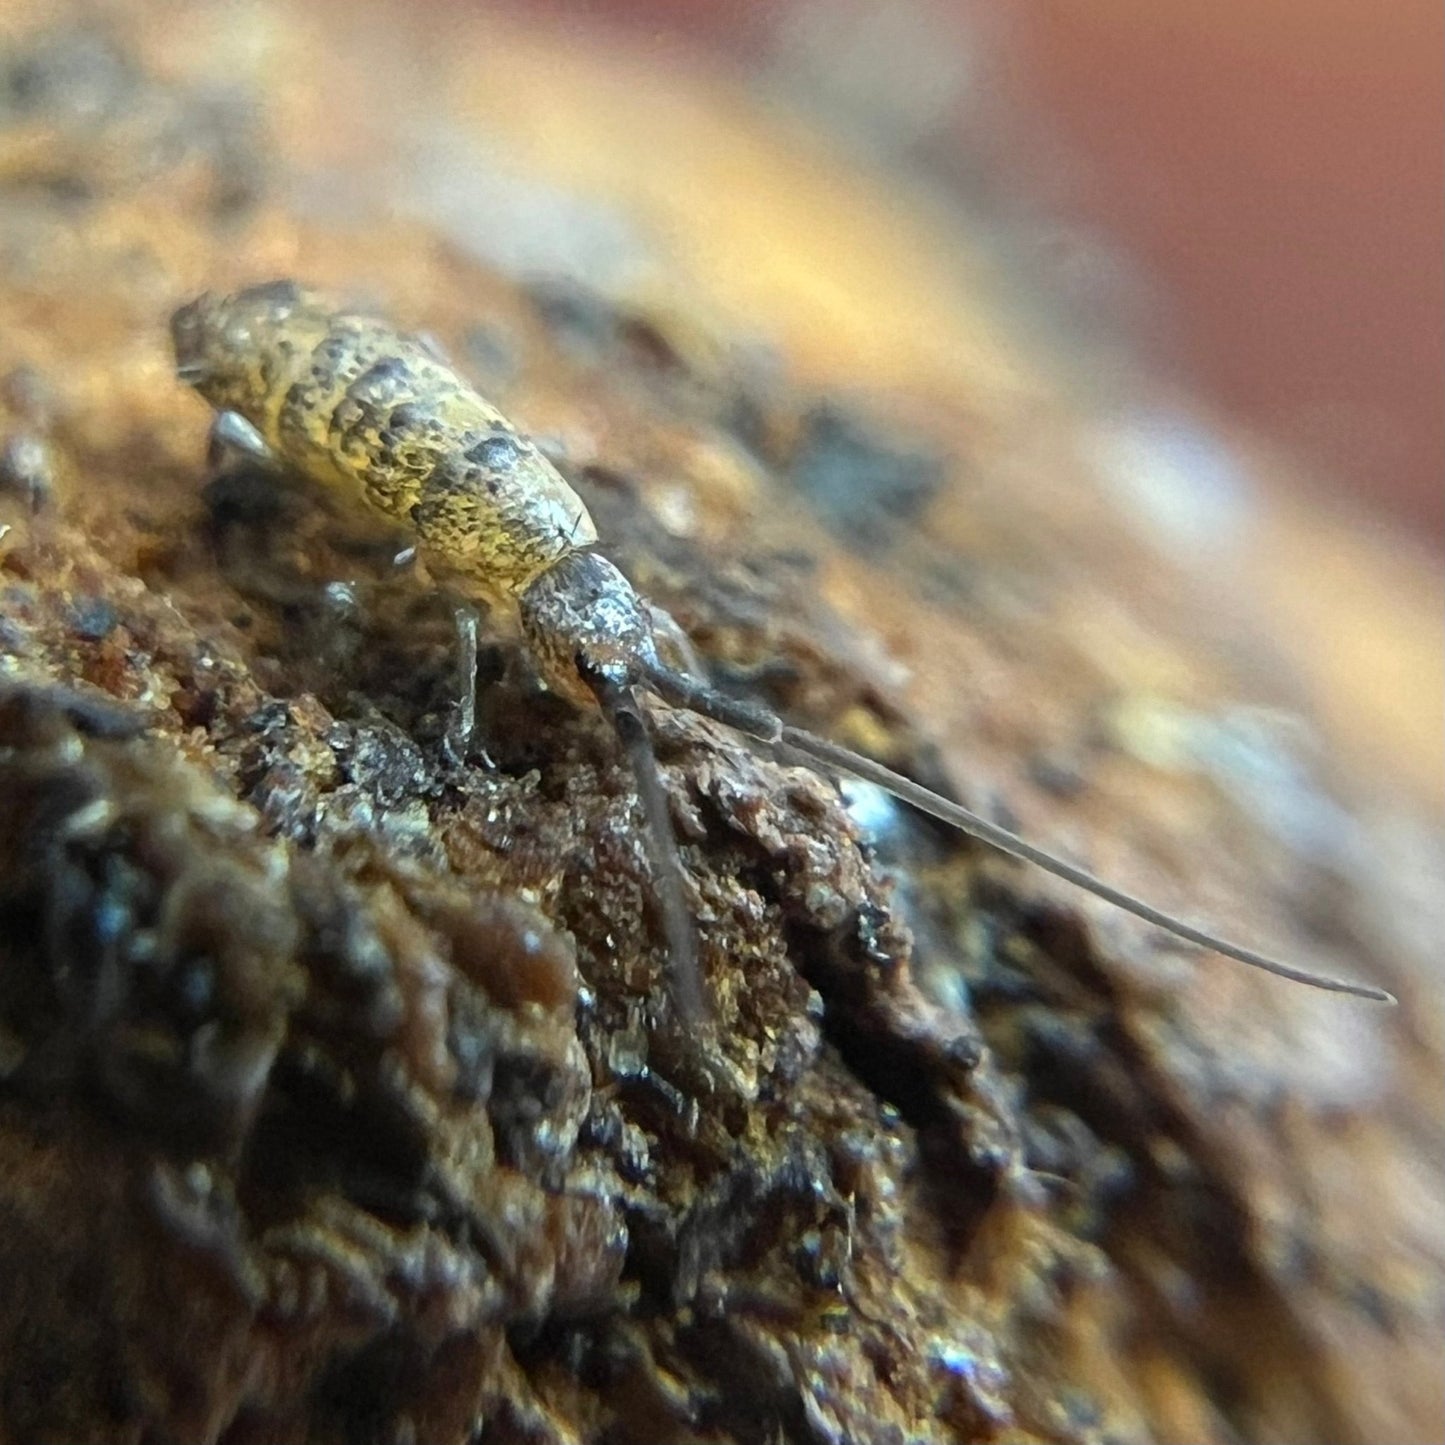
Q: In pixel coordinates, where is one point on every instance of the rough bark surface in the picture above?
(339, 1099)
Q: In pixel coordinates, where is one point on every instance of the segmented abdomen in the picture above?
(372, 412)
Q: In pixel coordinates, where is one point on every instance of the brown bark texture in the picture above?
(339, 1095)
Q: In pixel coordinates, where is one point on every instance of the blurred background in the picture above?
(1250, 193)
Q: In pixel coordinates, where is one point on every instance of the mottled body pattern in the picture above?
(372, 413)
(375, 415)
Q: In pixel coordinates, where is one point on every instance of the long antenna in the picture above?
(757, 722)
(684, 974)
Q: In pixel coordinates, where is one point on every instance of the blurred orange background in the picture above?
(1279, 166)
(1270, 173)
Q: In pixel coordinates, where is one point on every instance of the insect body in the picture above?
(358, 407)
(349, 402)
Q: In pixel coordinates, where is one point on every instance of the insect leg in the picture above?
(670, 635)
(463, 727)
(685, 983)
(431, 344)
(231, 434)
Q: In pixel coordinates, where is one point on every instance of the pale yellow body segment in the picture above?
(372, 413)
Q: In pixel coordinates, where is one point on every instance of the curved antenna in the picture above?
(685, 985)
(757, 722)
